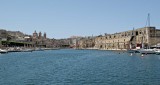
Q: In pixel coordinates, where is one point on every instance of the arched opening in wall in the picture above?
(136, 32)
(124, 46)
(100, 46)
(146, 45)
(87, 46)
(125, 34)
(150, 31)
(118, 44)
(93, 44)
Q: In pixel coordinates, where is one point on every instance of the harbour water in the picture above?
(79, 67)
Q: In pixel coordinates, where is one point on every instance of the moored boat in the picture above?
(38, 49)
(132, 51)
(147, 51)
(157, 52)
(3, 51)
(26, 50)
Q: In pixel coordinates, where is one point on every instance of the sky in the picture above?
(65, 18)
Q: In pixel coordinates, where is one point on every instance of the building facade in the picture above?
(39, 40)
(86, 42)
(132, 39)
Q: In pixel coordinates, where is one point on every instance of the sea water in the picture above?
(79, 67)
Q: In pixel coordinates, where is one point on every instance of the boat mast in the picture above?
(146, 27)
(148, 20)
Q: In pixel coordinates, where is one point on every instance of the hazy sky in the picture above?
(64, 18)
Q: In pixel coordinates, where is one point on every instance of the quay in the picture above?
(141, 40)
(16, 41)
(133, 40)
(19, 49)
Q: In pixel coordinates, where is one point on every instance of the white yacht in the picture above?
(147, 51)
(157, 51)
(3, 51)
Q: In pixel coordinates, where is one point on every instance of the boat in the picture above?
(12, 49)
(157, 52)
(18, 49)
(26, 50)
(38, 49)
(3, 51)
(132, 51)
(147, 51)
(50, 49)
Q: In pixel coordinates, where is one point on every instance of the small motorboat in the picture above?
(3, 51)
(157, 52)
(132, 51)
(26, 50)
(147, 51)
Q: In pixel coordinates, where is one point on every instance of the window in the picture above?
(129, 34)
(125, 34)
(136, 32)
(139, 32)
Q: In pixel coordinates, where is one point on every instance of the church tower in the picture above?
(35, 35)
(45, 35)
(40, 35)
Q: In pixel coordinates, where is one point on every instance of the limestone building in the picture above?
(87, 42)
(137, 38)
(39, 40)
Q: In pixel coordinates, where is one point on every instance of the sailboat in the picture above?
(148, 50)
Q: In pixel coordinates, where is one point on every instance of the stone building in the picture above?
(18, 39)
(73, 41)
(87, 42)
(39, 40)
(40, 35)
(45, 35)
(3, 34)
(35, 36)
(132, 39)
